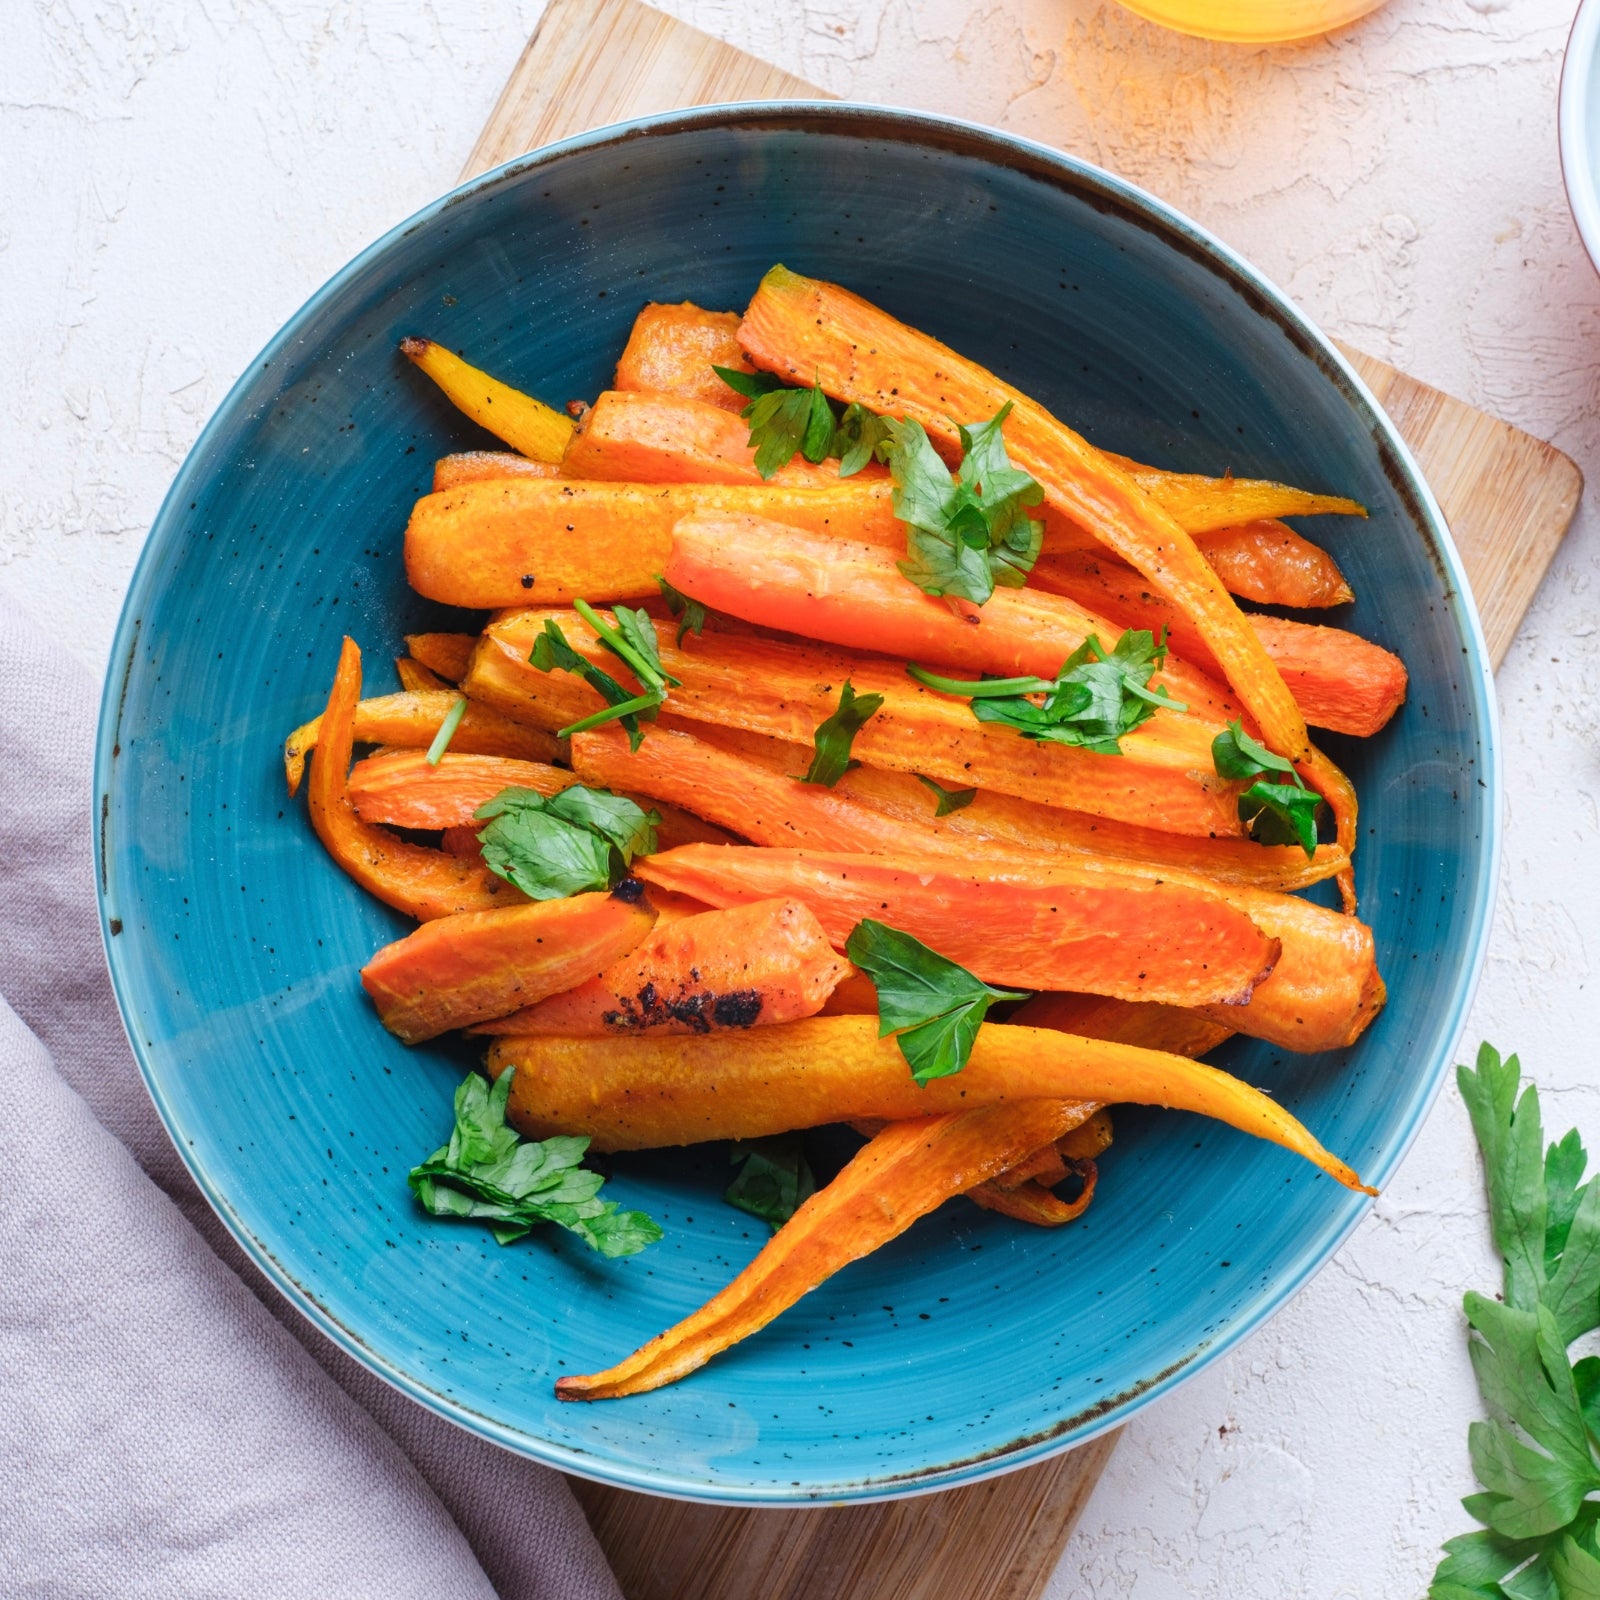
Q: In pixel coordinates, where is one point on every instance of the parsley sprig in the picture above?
(774, 1178)
(690, 613)
(1536, 1456)
(632, 640)
(830, 758)
(1273, 812)
(1097, 698)
(785, 422)
(487, 1173)
(552, 846)
(949, 799)
(931, 1005)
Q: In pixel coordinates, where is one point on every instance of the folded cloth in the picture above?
(169, 1424)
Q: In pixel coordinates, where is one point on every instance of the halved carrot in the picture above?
(526, 424)
(1202, 504)
(476, 466)
(412, 718)
(652, 1091)
(526, 541)
(672, 350)
(444, 653)
(808, 330)
(668, 438)
(901, 1174)
(847, 593)
(421, 882)
(749, 785)
(1163, 779)
(1151, 1027)
(766, 962)
(1114, 932)
(416, 678)
(1270, 563)
(464, 969)
(1339, 680)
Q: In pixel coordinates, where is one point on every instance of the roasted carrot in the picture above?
(412, 719)
(673, 349)
(1033, 1201)
(749, 784)
(446, 654)
(1270, 563)
(846, 593)
(1163, 779)
(1047, 1166)
(527, 541)
(655, 1090)
(1139, 938)
(901, 1174)
(475, 466)
(766, 962)
(1151, 1027)
(1339, 680)
(1203, 504)
(480, 964)
(416, 678)
(421, 882)
(526, 424)
(808, 330)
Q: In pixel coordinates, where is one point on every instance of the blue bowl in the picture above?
(971, 1344)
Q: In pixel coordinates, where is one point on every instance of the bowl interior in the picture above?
(971, 1342)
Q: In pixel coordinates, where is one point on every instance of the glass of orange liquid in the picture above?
(1253, 21)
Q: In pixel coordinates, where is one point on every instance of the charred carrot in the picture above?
(526, 424)
(446, 654)
(421, 882)
(901, 1174)
(1270, 563)
(412, 719)
(527, 541)
(480, 964)
(674, 349)
(762, 963)
(808, 330)
(636, 1094)
(477, 466)
(1115, 933)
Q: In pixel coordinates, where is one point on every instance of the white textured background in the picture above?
(177, 175)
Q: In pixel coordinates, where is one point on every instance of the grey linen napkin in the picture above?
(169, 1425)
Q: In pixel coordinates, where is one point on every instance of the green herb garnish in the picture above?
(447, 731)
(1536, 1457)
(1096, 698)
(831, 743)
(932, 1006)
(963, 536)
(551, 846)
(774, 1179)
(949, 799)
(691, 614)
(633, 642)
(786, 421)
(487, 1173)
(1272, 812)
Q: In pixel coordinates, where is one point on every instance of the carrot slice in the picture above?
(749, 785)
(1271, 564)
(477, 466)
(672, 350)
(805, 329)
(522, 541)
(463, 969)
(899, 1175)
(846, 593)
(1151, 1027)
(526, 424)
(413, 718)
(657, 1090)
(1163, 779)
(447, 654)
(416, 678)
(766, 962)
(401, 789)
(1139, 938)
(421, 882)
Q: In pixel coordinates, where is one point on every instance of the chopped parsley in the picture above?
(632, 640)
(831, 743)
(552, 846)
(1273, 812)
(786, 422)
(774, 1178)
(949, 799)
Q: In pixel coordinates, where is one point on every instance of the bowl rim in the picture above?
(1578, 175)
(910, 126)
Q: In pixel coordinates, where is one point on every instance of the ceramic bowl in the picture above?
(1578, 121)
(972, 1343)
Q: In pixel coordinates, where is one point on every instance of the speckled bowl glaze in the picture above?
(971, 1344)
(1578, 125)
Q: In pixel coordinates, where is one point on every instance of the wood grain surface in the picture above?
(1508, 498)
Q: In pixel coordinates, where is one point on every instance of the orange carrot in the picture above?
(404, 791)
(901, 1174)
(657, 1090)
(808, 330)
(673, 349)
(416, 678)
(480, 964)
(1163, 779)
(446, 654)
(524, 541)
(1270, 563)
(1151, 1027)
(421, 882)
(765, 962)
(1033, 1202)
(1204, 504)
(1113, 932)
(476, 466)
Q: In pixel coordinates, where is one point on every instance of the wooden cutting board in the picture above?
(1508, 498)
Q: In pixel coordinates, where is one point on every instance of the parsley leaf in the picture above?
(1097, 697)
(552, 846)
(831, 743)
(949, 799)
(1273, 813)
(963, 535)
(932, 1006)
(774, 1180)
(487, 1173)
(752, 385)
(785, 422)
(860, 436)
(691, 614)
(632, 640)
